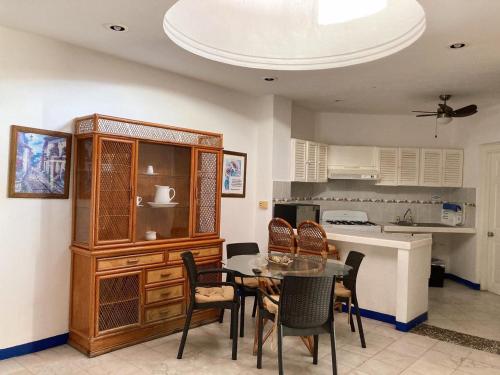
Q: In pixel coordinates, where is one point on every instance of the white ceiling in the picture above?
(411, 79)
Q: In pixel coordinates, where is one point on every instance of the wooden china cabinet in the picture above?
(127, 287)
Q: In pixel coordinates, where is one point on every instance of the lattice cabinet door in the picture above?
(207, 194)
(114, 191)
(118, 302)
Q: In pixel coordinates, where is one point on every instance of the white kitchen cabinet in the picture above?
(309, 161)
(388, 161)
(431, 167)
(453, 166)
(409, 164)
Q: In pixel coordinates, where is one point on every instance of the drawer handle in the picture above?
(165, 275)
(195, 253)
(166, 294)
(164, 312)
(132, 261)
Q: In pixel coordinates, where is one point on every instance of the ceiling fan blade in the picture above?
(427, 115)
(446, 109)
(425, 112)
(465, 111)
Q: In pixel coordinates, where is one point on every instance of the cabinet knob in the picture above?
(165, 275)
(491, 234)
(132, 261)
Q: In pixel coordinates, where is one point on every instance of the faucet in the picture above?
(410, 218)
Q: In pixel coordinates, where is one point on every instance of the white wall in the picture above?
(46, 84)
(303, 123)
(282, 132)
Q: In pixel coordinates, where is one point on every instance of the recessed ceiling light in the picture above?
(270, 79)
(116, 27)
(457, 45)
(339, 100)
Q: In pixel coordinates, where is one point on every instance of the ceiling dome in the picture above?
(294, 34)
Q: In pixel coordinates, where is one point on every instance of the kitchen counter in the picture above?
(402, 241)
(393, 228)
(392, 284)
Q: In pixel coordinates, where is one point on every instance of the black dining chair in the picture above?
(345, 291)
(247, 286)
(304, 308)
(209, 295)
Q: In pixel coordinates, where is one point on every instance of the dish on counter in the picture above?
(284, 260)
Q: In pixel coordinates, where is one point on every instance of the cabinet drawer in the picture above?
(129, 261)
(164, 294)
(164, 274)
(175, 256)
(154, 314)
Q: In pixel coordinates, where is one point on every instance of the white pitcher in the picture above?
(162, 194)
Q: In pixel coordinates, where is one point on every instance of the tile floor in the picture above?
(208, 351)
(461, 309)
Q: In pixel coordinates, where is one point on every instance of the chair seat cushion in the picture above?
(214, 294)
(342, 291)
(249, 282)
(270, 305)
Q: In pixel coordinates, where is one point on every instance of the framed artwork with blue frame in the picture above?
(234, 174)
(40, 163)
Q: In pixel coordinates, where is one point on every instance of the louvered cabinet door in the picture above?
(322, 163)
(312, 162)
(409, 161)
(206, 210)
(118, 302)
(388, 160)
(453, 164)
(114, 191)
(431, 167)
(298, 165)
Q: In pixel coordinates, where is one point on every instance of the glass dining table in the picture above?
(277, 266)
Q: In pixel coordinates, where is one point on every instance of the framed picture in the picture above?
(234, 174)
(40, 163)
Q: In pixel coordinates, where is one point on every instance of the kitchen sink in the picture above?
(409, 224)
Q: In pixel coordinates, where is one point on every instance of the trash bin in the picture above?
(437, 273)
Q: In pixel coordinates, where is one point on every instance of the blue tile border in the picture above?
(34, 346)
(391, 319)
(405, 327)
(465, 282)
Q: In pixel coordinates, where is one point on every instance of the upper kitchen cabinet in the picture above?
(408, 170)
(309, 161)
(431, 167)
(388, 166)
(453, 165)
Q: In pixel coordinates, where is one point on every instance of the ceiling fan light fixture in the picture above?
(294, 35)
(443, 119)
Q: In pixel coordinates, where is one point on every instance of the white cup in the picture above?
(139, 201)
(150, 170)
(150, 235)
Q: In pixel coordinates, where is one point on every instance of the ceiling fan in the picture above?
(445, 114)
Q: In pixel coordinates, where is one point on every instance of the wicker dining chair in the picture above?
(311, 239)
(281, 236)
(304, 308)
(247, 286)
(345, 291)
(209, 295)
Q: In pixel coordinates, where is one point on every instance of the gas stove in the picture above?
(352, 220)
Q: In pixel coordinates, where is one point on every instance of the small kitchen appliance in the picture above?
(453, 214)
(346, 219)
(296, 213)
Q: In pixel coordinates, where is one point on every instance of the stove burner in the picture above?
(349, 222)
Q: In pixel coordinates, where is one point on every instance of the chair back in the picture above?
(191, 269)
(241, 248)
(281, 237)
(354, 260)
(311, 239)
(306, 302)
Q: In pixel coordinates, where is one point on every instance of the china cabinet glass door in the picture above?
(163, 192)
(206, 193)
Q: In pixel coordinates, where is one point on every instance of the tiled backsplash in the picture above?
(382, 203)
